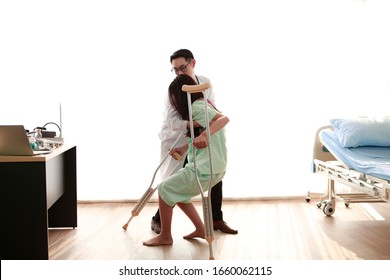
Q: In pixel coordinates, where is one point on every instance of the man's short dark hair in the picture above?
(187, 54)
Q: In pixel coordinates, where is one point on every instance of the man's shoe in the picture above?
(222, 226)
(156, 226)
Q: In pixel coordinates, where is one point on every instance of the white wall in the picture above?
(280, 69)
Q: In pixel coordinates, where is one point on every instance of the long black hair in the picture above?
(178, 97)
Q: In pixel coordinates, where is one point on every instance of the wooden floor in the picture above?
(272, 230)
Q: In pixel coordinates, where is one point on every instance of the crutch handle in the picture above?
(196, 88)
(177, 156)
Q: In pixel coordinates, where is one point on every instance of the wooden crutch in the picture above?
(206, 200)
(150, 191)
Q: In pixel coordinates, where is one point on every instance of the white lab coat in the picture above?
(171, 128)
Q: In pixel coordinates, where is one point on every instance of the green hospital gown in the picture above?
(182, 186)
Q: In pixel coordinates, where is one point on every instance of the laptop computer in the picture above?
(14, 142)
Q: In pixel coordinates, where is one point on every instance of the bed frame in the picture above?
(364, 188)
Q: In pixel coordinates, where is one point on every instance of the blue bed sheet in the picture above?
(373, 161)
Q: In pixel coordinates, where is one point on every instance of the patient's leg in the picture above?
(165, 236)
(190, 210)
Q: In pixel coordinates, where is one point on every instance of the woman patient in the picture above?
(182, 186)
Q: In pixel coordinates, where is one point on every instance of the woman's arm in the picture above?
(217, 123)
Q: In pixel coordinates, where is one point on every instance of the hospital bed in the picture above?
(355, 153)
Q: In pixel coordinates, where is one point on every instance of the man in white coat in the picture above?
(183, 62)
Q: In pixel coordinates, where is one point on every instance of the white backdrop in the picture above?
(280, 69)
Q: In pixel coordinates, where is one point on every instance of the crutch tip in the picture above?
(125, 226)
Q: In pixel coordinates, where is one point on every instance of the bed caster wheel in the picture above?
(346, 204)
(319, 204)
(328, 209)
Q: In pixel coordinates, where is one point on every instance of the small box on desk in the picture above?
(48, 134)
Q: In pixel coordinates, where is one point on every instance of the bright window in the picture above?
(280, 69)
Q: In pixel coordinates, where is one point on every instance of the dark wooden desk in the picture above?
(37, 193)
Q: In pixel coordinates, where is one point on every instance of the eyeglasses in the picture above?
(182, 68)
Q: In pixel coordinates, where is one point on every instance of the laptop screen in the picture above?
(14, 141)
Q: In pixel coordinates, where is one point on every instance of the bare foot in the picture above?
(158, 241)
(195, 234)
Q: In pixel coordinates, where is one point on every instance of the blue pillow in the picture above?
(362, 132)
